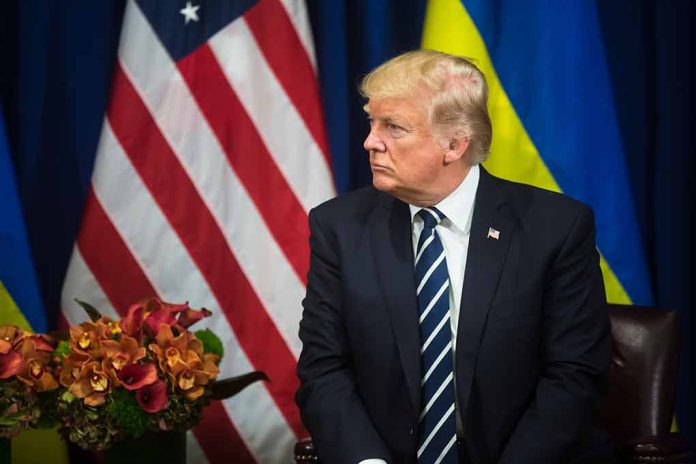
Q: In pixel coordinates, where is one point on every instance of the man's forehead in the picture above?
(391, 107)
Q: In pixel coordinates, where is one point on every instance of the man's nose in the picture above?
(373, 141)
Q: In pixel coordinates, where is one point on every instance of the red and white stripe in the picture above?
(205, 172)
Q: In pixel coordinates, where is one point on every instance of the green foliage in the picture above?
(211, 342)
(19, 408)
(182, 414)
(49, 414)
(89, 427)
(63, 349)
(125, 411)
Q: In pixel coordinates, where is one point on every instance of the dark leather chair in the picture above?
(639, 405)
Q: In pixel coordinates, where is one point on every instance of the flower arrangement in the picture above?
(146, 372)
(27, 380)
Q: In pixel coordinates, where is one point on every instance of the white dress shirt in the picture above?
(454, 233)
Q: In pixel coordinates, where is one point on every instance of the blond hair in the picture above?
(458, 94)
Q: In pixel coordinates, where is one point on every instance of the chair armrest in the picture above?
(670, 448)
(304, 452)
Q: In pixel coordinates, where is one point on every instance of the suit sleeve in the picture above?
(331, 408)
(576, 347)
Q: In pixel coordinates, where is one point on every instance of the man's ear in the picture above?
(456, 149)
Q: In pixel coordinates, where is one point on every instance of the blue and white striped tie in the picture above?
(437, 428)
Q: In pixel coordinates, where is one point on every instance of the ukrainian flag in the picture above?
(552, 108)
(20, 303)
(19, 289)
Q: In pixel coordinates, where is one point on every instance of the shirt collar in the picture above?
(458, 206)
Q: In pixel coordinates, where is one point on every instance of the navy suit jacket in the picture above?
(533, 339)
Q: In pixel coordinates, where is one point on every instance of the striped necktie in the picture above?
(437, 427)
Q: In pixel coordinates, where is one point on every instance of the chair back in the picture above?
(642, 380)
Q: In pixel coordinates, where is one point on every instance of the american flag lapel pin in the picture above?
(492, 233)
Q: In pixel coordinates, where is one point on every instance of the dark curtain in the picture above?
(58, 58)
(55, 84)
(652, 56)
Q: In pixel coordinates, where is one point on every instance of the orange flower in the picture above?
(151, 315)
(10, 336)
(121, 353)
(36, 351)
(109, 328)
(170, 349)
(132, 324)
(32, 344)
(190, 316)
(93, 384)
(38, 376)
(86, 339)
(183, 361)
(190, 378)
(71, 368)
(11, 364)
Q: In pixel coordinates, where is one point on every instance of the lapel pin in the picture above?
(492, 233)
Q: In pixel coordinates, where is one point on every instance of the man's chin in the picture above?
(382, 184)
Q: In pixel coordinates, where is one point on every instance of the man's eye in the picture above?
(394, 127)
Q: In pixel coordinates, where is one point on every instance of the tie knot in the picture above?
(431, 217)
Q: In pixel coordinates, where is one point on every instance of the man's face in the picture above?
(405, 156)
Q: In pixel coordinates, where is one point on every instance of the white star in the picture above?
(190, 12)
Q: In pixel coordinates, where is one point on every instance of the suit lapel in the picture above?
(486, 256)
(393, 254)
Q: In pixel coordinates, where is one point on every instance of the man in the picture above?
(450, 316)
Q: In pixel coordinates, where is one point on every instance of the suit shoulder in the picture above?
(529, 197)
(352, 206)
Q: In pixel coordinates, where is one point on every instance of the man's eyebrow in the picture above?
(386, 119)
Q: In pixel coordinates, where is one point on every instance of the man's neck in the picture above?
(444, 188)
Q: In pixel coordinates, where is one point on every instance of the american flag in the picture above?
(212, 153)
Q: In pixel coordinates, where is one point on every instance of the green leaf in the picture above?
(10, 420)
(211, 342)
(91, 311)
(223, 389)
(63, 349)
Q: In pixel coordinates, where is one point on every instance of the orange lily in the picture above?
(190, 316)
(93, 384)
(170, 349)
(11, 364)
(86, 339)
(10, 336)
(36, 351)
(72, 367)
(120, 353)
(191, 377)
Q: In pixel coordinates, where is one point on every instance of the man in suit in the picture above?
(450, 316)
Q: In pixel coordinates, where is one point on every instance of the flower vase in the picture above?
(169, 447)
(5, 451)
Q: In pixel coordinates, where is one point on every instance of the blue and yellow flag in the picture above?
(20, 303)
(552, 108)
(19, 289)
